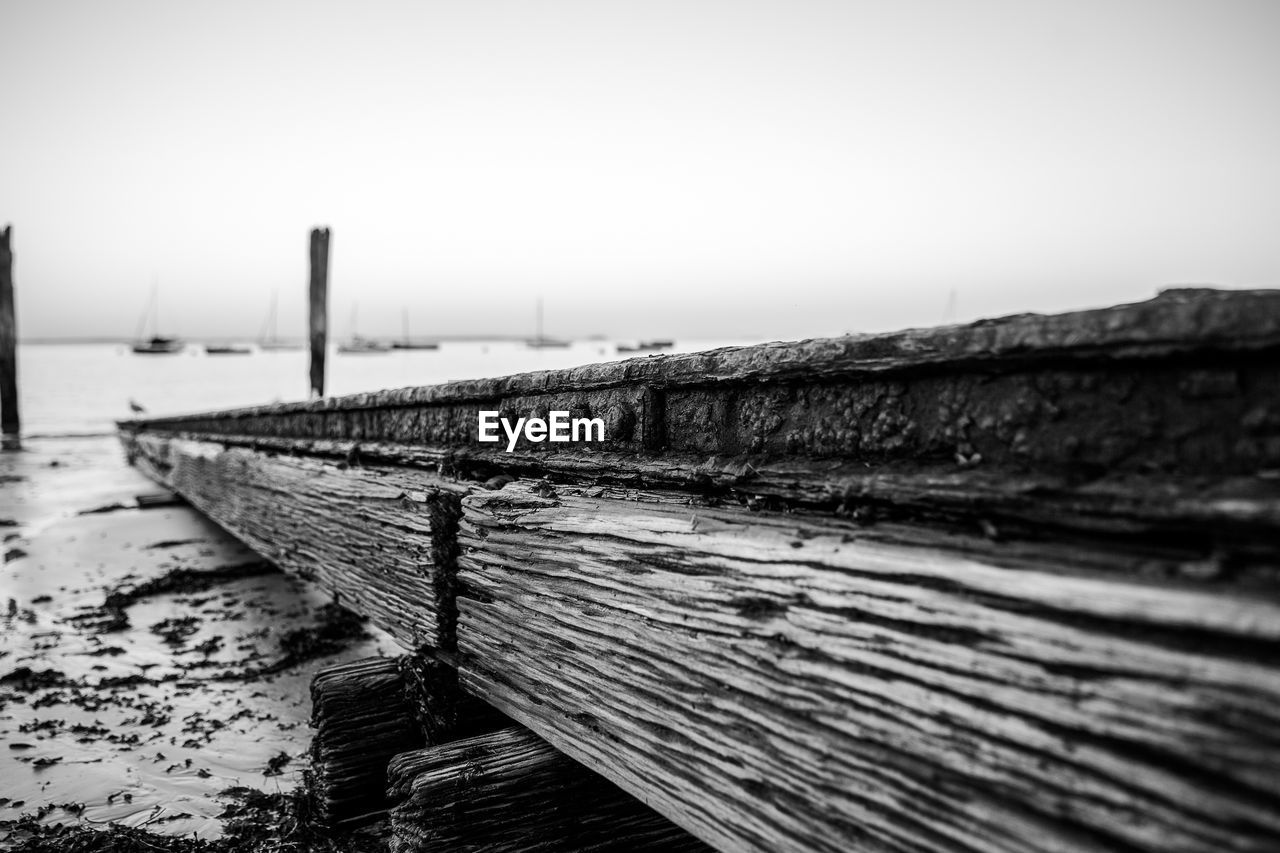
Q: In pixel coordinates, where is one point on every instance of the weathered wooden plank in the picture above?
(367, 711)
(1006, 586)
(1099, 388)
(381, 540)
(1169, 327)
(510, 791)
(362, 719)
(776, 681)
(1225, 515)
(1134, 420)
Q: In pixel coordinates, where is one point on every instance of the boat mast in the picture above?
(155, 304)
(146, 315)
(151, 314)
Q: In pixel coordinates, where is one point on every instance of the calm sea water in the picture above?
(85, 388)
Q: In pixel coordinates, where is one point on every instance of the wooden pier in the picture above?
(1007, 586)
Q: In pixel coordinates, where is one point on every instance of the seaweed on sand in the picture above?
(112, 616)
(282, 822)
(24, 679)
(334, 630)
(252, 821)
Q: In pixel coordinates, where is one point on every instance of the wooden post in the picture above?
(9, 420)
(319, 307)
(361, 720)
(508, 791)
(367, 711)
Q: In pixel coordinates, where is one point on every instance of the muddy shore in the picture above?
(154, 672)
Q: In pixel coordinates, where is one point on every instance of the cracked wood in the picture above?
(777, 681)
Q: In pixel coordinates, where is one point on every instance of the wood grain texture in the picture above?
(1236, 518)
(1211, 414)
(510, 792)
(367, 711)
(362, 718)
(776, 681)
(1154, 420)
(1185, 383)
(381, 540)
(1008, 586)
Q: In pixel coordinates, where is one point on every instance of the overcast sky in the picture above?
(773, 169)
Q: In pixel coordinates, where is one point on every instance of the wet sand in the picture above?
(149, 661)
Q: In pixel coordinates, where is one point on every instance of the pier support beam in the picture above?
(319, 300)
(10, 421)
(362, 718)
(369, 710)
(510, 791)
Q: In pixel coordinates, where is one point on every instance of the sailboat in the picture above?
(361, 346)
(157, 344)
(540, 341)
(228, 349)
(646, 346)
(405, 343)
(267, 339)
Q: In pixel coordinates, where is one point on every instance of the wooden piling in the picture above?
(361, 718)
(369, 710)
(509, 790)
(319, 300)
(9, 417)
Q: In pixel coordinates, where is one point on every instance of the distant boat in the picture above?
(267, 339)
(405, 342)
(646, 346)
(157, 344)
(228, 349)
(361, 346)
(541, 341)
